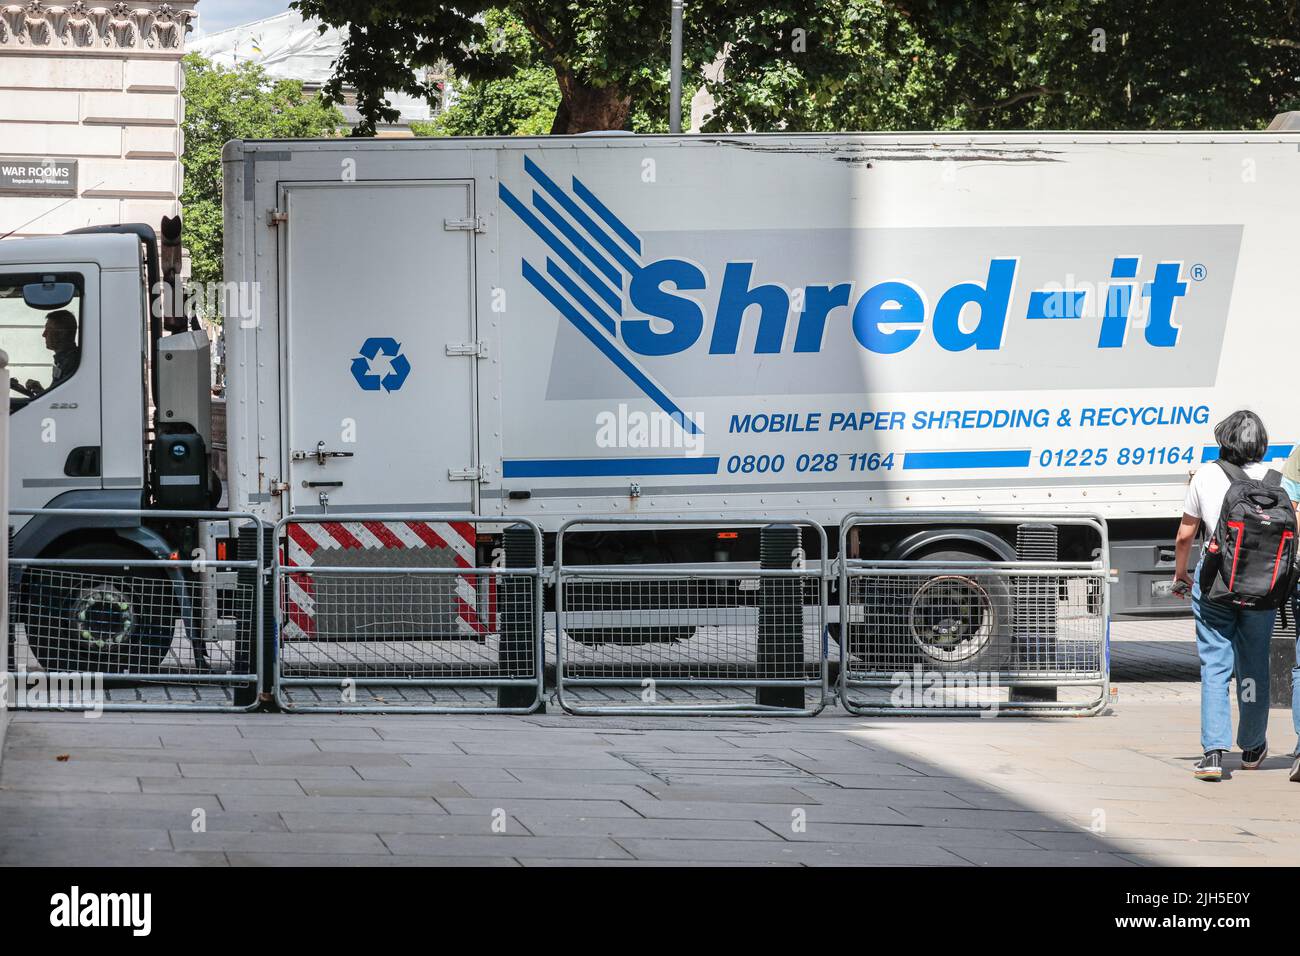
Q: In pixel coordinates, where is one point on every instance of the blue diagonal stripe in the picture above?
(584, 300)
(599, 208)
(639, 378)
(575, 237)
(563, 251)
(584, 220)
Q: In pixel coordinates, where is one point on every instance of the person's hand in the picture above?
(1182, 584)
(34, 387)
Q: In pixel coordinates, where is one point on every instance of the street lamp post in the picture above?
(675, 87)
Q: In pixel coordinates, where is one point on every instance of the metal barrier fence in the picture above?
(964, 637)
(124, 632)
(390, 612)
(681, 635)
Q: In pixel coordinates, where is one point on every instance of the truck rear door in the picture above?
(379, 305)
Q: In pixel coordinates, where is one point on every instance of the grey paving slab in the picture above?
(987, 819)
(19, 821)
(105, 857)
(267, 772)
(218, 785)
(279, 802)
(52, 838)
(505, 844)
(43, 782)
(311, 821)
(415, 785)
(980, 856)
(667, 829)
(560, 807)
(341, 860)
(318, 758)
(759, 793)
(76, 799)
(806, 853)
(298, 842)
(777, 814)
(656, 864)
(520, 790)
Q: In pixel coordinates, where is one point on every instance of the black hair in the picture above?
(1242, 438)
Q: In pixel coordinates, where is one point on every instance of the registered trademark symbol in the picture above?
(1198, 272)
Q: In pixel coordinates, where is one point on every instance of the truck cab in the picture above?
(82, 320)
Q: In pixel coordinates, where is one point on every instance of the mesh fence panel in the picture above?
(691, 629)
(157, 639)
(398, 629)
(1017, 625)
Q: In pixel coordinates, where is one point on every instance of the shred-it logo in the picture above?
(594, 270)
(78, 910)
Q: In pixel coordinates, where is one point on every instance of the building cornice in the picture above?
(143, 26)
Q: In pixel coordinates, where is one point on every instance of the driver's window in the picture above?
(43, 344)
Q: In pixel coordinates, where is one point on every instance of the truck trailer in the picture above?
(672, 327)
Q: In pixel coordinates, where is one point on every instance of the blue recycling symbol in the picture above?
(363, 365)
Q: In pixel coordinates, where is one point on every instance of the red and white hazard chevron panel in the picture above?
(310, 543)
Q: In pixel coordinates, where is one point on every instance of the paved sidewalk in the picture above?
(1113, 790)
(330, 790)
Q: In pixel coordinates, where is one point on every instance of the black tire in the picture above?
(949, 621)
(97, 619)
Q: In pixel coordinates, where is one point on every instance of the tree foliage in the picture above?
(841, 64)
(999, 64)
(224, 104)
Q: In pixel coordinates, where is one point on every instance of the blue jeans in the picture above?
(1229, 639)
(1295, 673)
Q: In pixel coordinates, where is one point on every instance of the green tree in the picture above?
(609, 57)
(521, 104)
(1001, 64)
(856, 64)
(224, 104)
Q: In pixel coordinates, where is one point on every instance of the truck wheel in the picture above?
(99, 619)
(947, 621)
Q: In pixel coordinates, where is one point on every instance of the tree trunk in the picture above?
(585, 108)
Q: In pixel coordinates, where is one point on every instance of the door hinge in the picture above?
(275, 217)
(473, 473)
(475, 349)
(278, 487)
(473, 224)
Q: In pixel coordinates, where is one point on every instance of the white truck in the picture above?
(679, 326)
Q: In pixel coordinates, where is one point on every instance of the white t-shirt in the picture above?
(1205, 494)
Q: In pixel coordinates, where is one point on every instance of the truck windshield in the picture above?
(44, 345)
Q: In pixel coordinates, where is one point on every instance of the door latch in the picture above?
(470, 224)
(320, 454)
(475, 349)
(473, 473)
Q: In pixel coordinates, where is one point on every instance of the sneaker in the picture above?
(1252, 758)
(1295, 769)
(1210, 766)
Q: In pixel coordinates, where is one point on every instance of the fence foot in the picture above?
(517, 652)
(1030, 694)
(263, 630)
(780, 617)
(1281, 658)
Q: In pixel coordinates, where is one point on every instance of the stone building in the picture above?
(90, 113)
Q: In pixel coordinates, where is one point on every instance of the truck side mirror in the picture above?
(48, 294)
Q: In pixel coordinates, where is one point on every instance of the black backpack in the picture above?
(1250, 562)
